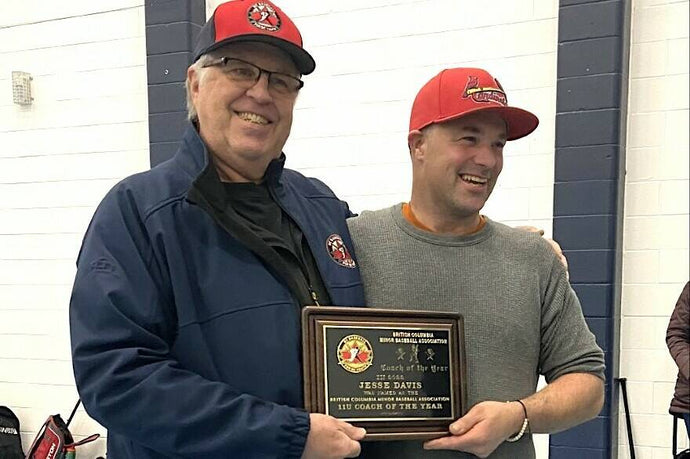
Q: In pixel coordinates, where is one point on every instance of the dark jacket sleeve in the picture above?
(123, 326)
(678, 333)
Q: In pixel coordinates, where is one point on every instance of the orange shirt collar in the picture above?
(413, 220)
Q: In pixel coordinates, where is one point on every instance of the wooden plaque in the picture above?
(399, 374)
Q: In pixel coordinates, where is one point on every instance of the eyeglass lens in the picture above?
(246, 72)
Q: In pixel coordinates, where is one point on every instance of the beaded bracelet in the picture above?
(525, 424)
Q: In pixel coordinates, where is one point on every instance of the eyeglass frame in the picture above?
(223, 61)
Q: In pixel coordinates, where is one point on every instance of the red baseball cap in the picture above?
(458, 92)
(251, 20)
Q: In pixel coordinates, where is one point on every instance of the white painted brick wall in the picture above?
(86, 129)
(655, 247)
(351, 121)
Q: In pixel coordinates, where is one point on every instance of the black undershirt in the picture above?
(258, 211)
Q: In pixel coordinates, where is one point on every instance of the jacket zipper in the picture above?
(314, 296)
(312, 292)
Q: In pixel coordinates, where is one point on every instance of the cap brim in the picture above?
(302, 59)
(519, 122)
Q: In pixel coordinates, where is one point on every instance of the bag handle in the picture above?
(624, 392)
(74, 410)
(86, 440)
(89, 439)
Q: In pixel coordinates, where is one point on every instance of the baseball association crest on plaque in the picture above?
(355, 353)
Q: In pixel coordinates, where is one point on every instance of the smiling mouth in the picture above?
(473, 179)
(252, 118)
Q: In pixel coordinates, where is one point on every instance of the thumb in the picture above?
(355, 433)
(464, 424)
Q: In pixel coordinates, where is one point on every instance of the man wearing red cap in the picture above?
(521, 316)
(184, 316)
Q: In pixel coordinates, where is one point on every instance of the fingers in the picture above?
(457, 429)
(355, 433)
(451, 443)
(470, 442)
(559, 253)
(462, 425)
(331, 438)
(531, 229)
(350, 440)
(355, 451)
(564, 262)
(554, 245)
(479, 432)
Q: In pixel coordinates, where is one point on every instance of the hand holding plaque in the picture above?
(399, 374)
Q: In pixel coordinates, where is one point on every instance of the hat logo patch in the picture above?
(338, 252)
(484, 94)
(264, 17)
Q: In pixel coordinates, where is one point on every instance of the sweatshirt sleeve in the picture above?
(567, 344)
(678, 333)
(123, 325)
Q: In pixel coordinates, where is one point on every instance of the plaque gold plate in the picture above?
(400, 374)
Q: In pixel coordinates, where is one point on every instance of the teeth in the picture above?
(473, 179)
(252, 117)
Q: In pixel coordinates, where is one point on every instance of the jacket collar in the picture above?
(194, 158)
(192, 155)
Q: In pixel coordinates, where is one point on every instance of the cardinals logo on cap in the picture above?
(486, 94)
(355, 353)
(264, 17)
(338, 251)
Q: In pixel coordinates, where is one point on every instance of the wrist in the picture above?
(523, 426)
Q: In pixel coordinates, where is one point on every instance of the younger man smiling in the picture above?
(522, 318)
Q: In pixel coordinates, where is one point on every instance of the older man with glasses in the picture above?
(185, 310)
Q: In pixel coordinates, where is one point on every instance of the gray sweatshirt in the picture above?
(522, 318)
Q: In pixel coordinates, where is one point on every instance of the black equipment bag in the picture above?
(10, 440)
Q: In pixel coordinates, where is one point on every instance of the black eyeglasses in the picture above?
(247, 74)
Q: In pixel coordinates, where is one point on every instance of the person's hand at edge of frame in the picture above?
(485, 426)
(554, 245)
(331, 438)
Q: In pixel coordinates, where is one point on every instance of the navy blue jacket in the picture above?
(184, 343)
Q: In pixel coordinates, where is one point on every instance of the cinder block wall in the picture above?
(655, 256)
(86, 129)
(372, 56)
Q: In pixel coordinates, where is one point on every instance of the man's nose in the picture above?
(259, 90)
(486, 155)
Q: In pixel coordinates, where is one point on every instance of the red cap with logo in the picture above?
(251, 20)
(458, 92)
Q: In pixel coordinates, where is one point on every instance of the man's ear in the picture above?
(416, 143)
(193, 77)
